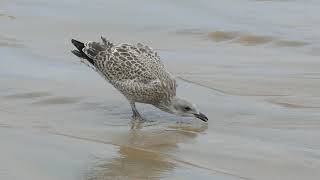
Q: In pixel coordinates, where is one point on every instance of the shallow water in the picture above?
(251, 66)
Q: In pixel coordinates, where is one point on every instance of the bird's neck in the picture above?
(166, 105)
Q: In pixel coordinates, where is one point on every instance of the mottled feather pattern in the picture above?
(138, 73)
(135, 70)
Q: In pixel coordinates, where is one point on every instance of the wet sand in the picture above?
(60, 120)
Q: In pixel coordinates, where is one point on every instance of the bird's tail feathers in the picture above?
(78, 52)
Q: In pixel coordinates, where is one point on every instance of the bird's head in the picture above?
(182, 107)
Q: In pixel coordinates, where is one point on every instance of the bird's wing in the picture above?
(157, 67)
(139, 66)
(149, 53)
(98, 52)
(134, 63)
(151, 92)
(131, 66)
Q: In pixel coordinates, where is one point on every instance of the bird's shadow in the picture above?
(147, 154)
(144, 149)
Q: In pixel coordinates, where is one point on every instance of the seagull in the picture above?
(138, 73)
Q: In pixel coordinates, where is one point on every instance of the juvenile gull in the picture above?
(137, 72)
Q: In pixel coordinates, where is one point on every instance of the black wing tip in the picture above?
(75, 41)
(79, 45)
(78, 53)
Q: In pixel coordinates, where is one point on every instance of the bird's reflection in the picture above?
(146, 154)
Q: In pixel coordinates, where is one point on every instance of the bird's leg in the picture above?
(136, 114)
(137, 120)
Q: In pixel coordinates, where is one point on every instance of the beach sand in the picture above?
(261, 93)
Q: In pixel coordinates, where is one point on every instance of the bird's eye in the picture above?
(187, 108)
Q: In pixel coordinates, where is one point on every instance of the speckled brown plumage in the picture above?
(135, 70)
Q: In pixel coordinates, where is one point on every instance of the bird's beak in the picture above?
(201, 116)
